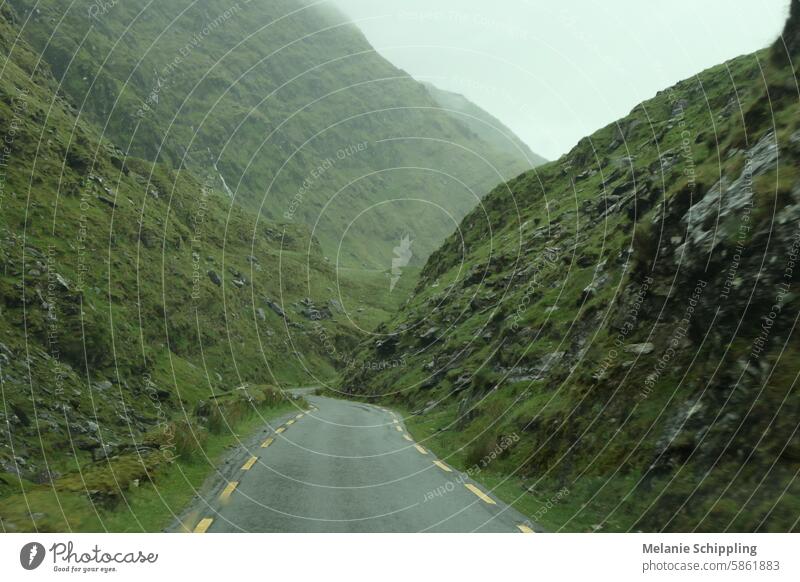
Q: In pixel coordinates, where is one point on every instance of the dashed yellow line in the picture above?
(226, 493)
(267, 443)
(421, 449)
(408, 438)
(399, 428)
(249, 464)
(442, 466)
(203, 526)
(280, 430)
(289, 422)
(299, 416)
(480, 494)
(394, 421)
(524, 528)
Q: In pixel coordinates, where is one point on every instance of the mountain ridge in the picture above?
(266, 92)
(145, 317)
(611, 310)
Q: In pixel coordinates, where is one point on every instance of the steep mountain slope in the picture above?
(304, 121)
(484, 124)
(138, 304)
(611, 339)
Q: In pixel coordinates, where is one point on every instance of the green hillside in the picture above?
(302, 119)
(612, 344)
(487, 126)
(143, 314)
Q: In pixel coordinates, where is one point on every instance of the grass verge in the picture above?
(130, 493)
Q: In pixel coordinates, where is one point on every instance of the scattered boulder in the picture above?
(102, 386)
(276, 308)
(212, 275)
(640, 349)
(107, 201)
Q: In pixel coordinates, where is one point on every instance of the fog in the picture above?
(556, 70)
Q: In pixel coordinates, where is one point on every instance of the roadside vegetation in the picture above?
(627, 312)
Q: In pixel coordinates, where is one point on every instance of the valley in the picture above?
(255, 277)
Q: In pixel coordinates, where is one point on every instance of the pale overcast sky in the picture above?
(556, 70)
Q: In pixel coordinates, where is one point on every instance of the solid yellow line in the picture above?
(442, 466)
(289, 422)
(421, 450)
(267, 443)
(203, 526)
(480, 493)
(399, 428)
(249, 464)
(408, 438)
(280, 430)
(226, 493)
(524, 528)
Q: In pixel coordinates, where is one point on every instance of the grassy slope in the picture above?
(114, 338)
(268, 85)
(531, 327)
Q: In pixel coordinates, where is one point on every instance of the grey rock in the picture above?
(428, 333)
(62, 281)
(107, 201)
(276, 308)
(533, 373)
(430, 405)
(679, 107)
(725, 199)
(640, 349)
(103, 451)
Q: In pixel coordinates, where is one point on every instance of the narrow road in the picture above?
(347, 467)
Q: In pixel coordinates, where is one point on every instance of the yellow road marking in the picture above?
(226, 493)
(299, 416)
(203, 526)
(480, 493)
(249, 464)
(399, 428)
(289, 422)
(280, 430)
(267, 443)
(395, 421)
(421, 450)
(408, 438)
(524, 528)
(442, 466)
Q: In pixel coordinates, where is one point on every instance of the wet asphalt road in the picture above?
(346, 467)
